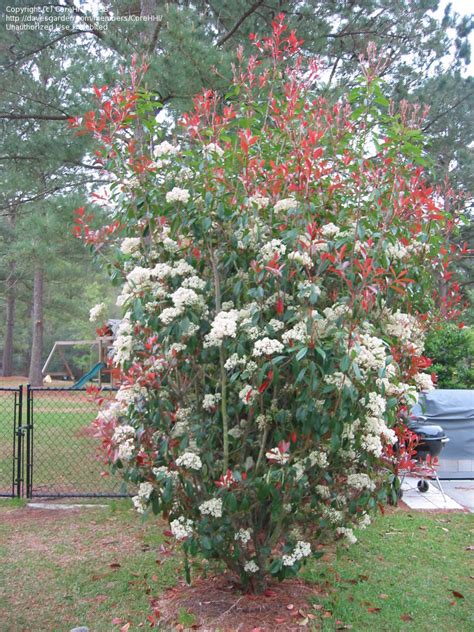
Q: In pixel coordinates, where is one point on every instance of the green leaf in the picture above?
(301, 353)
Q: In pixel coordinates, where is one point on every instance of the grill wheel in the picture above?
(423, 486)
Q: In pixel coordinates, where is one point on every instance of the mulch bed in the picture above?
(217, 605)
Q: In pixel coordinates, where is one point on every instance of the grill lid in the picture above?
(427, 432)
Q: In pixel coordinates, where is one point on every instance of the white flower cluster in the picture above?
(183, 414)
(306, 289)
(323, 491)
(181, 528)
(364, 521)
(123, 343)
(194, 282)
(223, 325)
(130, 245)
(338, 379)
(98, 312)
(178, 195)
(125, 450)
(123, 433)
(318, 458)
(337, 311)
(233, 362)
(330, 230)
(145, 490)
(333, 515)
(165, 149)
(163, 472)
(375, 429)
(302, 258)
(124, 438)
(423, 382)
(267, 346)
(258, 200)
(301, 550)
(243, 536)
(213, 148)
(287, 204)
(272, 248)
(299, 333)
(360, 481)
(139, 504)
(371, 353)
(185, 297)
(247, 394)
(406, 329)
(190, 461)
(376, 404)
(397, 390)
(275, 324)
(251, 567)
(210, 401)
(396, 251)
(347, 533)
(212, 508)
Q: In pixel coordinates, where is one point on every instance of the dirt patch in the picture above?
(216, 605)
(67, 534)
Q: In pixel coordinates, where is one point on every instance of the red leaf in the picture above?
(115, 565)
(117, 621)
(406, 617)
(374, 609)
(457, 594)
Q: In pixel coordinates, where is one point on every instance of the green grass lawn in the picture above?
(64, 452)
(64, 569)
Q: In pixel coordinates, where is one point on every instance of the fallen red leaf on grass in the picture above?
(117, 621)
(406, 617)
(457, 594)
(374, 609)
(115, 565)
(125, 627)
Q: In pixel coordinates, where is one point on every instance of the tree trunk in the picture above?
(7, 359)
(35, 375)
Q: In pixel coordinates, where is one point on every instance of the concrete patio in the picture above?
(459, 495)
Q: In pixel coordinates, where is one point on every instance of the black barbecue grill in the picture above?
(431, 440)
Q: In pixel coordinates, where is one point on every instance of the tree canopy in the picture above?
(48, 75)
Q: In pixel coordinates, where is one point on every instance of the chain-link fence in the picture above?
(64, 457)
(10, 408)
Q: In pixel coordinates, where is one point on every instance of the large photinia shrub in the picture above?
(279, 267)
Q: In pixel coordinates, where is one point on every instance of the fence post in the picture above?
(19, 445)
(29, 442)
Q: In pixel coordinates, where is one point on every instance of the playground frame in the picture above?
(103, 343)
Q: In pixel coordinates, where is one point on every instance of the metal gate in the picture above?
(12, 450)
(47, 448)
